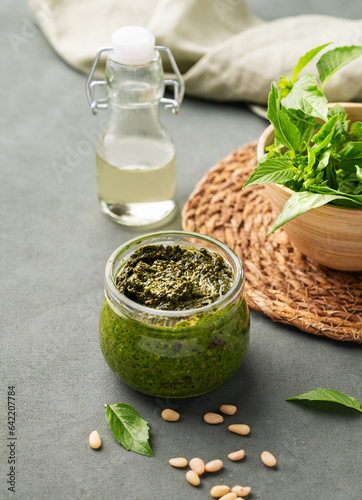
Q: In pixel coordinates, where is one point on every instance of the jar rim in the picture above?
(120, 298)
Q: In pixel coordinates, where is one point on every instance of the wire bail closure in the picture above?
(102, 103)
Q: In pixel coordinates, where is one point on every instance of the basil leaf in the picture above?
(285, 131)
(324, 159)
(326, 190)
(351, 155)
(331, 175)
(129, 428)
(347, 182)
(356, 130)
(277, 170)
(335, 59)
(304, 60)
(326, 136)
(338, 110)
(311, 159)
(299, 203)
(325, 131)
(304, 123)
(329, 395)
(359, 173)
(306, 96)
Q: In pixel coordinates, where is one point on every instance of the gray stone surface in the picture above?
(54, 246)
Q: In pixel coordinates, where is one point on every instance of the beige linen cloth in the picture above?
(223, 50)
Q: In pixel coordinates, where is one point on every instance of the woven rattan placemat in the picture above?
(280, 281)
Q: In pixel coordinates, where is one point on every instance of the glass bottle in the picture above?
(135, 156)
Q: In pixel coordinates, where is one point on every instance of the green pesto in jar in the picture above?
(196, 353)
(174, 278)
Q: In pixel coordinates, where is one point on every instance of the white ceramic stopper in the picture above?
(133, 45)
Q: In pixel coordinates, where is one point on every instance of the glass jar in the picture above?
(174, 354)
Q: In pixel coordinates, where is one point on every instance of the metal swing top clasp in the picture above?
(102, 103)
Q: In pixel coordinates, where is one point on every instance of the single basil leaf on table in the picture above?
(129, 428)
(304, 60)
(306, 96)
(335, 59)
(329, 395)
(285, 132)
(276, 170)
(299, 203)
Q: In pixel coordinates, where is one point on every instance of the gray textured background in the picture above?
(54, 246)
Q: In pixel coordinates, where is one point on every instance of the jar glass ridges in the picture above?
(174, 353)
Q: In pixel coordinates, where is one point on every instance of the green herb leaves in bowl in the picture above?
(316, 152)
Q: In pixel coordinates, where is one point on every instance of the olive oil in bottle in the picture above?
(136, 180)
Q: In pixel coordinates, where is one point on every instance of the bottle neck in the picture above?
(127, 120)
(134, 86)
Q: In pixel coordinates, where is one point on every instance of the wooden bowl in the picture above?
(330, 235)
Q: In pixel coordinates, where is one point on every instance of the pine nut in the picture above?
(95, 440)
(193, 478)
(197, 465)
(241, 429)
(214, 466)
(219, 490)
(213, 418)
(170, 415)
(241, 491)
(237, 455)
(178, 462)
(229, 496)
(228, 409)
(268, 459)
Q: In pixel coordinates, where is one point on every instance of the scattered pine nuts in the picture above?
(214, 466)
(241, 429)
(228, 409)
(193, 478)
(197, 465)
(241, 491)
(268, 459)
(229, 496)
(213, 418)
(219, 490)
(95, 441)
(178, 462)
(170, 415)
(237, 455)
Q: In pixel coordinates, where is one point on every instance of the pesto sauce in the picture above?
(192, 358)
(174, 278)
